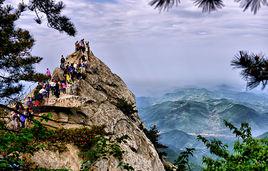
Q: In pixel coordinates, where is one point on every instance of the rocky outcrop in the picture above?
(95, 97)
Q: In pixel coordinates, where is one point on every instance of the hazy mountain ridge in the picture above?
(186, 115)
(264, 135)
(256, 101)
(183, 114)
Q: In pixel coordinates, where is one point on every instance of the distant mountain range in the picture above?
(264, 135)
(185, 113)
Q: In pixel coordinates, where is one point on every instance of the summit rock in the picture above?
(95, 97)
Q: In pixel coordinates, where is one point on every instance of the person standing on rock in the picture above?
(71, 71)
(82, 45)
(42, 94)
(29, 102)
(83, 58)
(68, 78)
(62, 61)
(37, 102)
(76, 46)
(83, 67)
(22, 120)
(67, 66)
(62, 66)
(29, 114)
(87, 49)
(64, 86)
(21, 117)
(47, 87)
(48, 73)
(15, 119)
(52, 86)
(57, 90)
(43, 91)
(19, 107)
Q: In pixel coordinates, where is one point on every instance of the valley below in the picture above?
(185, 113)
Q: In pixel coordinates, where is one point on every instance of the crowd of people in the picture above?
(20, 117)
(82, 45)
(54, 86)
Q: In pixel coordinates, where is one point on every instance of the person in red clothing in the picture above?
(36, 103)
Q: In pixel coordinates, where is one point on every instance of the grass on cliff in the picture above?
(16, 147)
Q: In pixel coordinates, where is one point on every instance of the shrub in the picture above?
(182, 162)
(153, 136)
(248, 153)
(127, 108)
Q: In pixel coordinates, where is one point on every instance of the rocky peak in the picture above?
(95, 96)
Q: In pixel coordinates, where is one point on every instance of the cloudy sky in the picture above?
(154, 51)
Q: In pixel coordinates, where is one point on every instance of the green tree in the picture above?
(16, 61)
(17, 67)
(211, 5)
(153, 135)
(182, 162)
(248, 153)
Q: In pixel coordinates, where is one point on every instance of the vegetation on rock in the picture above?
(153, 135)
(127, 108)
(17, 146)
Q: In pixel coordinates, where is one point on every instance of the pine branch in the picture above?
(254, 68)
(211, 5)
(52, 11)
(164, 4)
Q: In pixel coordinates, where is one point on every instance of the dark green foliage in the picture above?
(182, 162)
(14, 144)
(125, 166)
(116, 151)
(52, 11)
(127, 108)
(122, 139)
(100, 147)
(248, 153)
(91, 142)
(99, 150)
(215, 146)
(82, 137)
(153, 136)
(254, 68)
(211, 5)
(16, 61)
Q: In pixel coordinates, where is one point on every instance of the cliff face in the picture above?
(96, 97)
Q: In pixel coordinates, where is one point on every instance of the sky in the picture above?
(154, 51)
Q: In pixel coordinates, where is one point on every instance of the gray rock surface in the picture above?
(95, 97)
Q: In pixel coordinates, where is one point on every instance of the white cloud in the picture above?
(181, 46)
